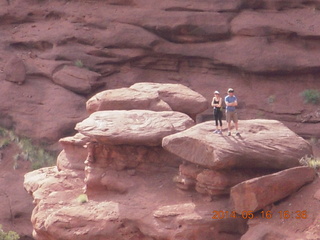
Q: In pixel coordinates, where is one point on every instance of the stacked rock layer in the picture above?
(117, 177)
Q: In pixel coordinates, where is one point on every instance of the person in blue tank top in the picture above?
(231, 102)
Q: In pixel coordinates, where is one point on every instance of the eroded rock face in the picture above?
(257, 193)
(40, 101)
(135, 127)
(77, 79)
(261, 232)
(244, 47)
(74, 152)
(15, 70)
(263, 144)
(136, 183)
(179, 97)
(126, 99)
(145, 211)
(151, 96)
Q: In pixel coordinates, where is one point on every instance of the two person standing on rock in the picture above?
(231, 102)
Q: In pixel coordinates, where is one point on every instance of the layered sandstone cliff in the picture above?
(66, 51)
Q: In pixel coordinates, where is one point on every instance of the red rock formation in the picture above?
(206, 46)
(129, 180)
(257, 193)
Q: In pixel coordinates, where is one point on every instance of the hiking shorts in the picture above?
(232, 116)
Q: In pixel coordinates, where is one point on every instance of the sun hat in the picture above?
(216, 92)
(230, 90)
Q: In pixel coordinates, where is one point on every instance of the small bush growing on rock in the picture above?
(310, 161)
(82, 198)
(8, 235)
(311, 96)
(271, 99)
(37, 155)
(4, 143)
(29, 152)
(314, 140)
(79, 64)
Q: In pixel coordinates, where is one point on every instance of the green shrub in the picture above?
(314, 140)
(38, 156)
(4, 143)
(79, 63)
(8, 235)
(82, 198)
(310, 161)
(271, 99)
(311, 96)
(3, 132)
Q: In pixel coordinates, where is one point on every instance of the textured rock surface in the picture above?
(130, 182)
(76, 79)
(36, 102)
(257, 193)
(141, 213)
(292, 218)
(213, 182)
(263, 144)
(261, 232)
(169, 41)
(126, 99)
(137, 127)
(151, 96)
(252, 46)
(74, 152)
(179, 97)
(15, 70)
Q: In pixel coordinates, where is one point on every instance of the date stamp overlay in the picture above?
(298, 214)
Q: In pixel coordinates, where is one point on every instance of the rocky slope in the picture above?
(144, 174)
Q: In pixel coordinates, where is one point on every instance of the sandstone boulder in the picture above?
(179, 97)
(213, 182)
(126, 99)
(219, 182)
(263, 232)
(15, 70)
(77, 79)
(74, 152)
(264, 144)
(257, 193)
(134, 127)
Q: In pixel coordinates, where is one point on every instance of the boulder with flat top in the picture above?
(263, 144)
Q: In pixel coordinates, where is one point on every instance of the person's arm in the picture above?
(212, 103)
(235, 103)
(232, 104)
(226, 101)
(220, 103)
